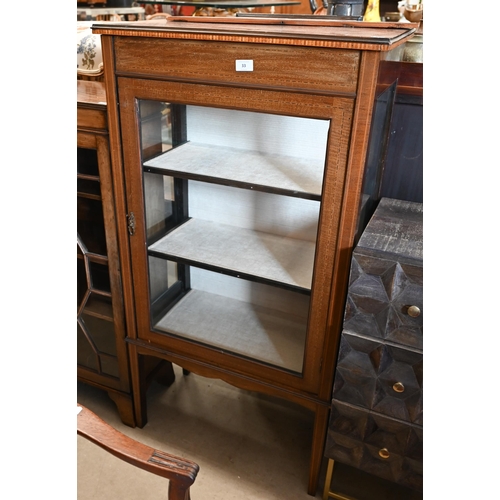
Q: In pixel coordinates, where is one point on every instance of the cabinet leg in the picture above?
(318, 443)
(139, 386)
(125, 407)
(143, 370)
(165, 374)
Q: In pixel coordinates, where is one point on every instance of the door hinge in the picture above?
(131, 223)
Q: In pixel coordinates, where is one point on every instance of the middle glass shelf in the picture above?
(251, 253)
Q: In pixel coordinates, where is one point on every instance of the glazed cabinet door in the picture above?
(233, 202)
(95, 326)
(101, 353)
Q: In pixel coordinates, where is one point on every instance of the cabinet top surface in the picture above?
(396, 228)
(224, 4)
(91, 93)
(299, 30)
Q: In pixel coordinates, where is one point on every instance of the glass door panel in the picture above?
(96, 341)
(232, 203)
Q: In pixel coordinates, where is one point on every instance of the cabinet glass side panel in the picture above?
(156, 127)
(376, 156)
(231, 202)
(161, 129)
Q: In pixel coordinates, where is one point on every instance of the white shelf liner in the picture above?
(285, 260)
(240, 327)
(300, 175)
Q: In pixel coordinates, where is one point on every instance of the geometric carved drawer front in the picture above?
(380, 295)
(376, 444)
(377, 399)
(380, 377)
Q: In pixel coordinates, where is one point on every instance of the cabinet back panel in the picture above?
(247, 291)
(270, 213)
(264, 132)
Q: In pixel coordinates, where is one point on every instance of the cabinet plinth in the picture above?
(245, 188)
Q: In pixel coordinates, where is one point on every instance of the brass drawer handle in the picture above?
(384, 453)
(398, 387)
(414, 311)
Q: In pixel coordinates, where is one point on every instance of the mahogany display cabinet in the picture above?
(238, 149)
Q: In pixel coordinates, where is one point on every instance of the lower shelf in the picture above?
(251, 330)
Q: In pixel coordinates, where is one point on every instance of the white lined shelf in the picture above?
(264, 255)
(251, 330)
(299, 177)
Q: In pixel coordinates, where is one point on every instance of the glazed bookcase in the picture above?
(102, 359)
(238, 155)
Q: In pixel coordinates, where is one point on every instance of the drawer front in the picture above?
(91, 119)
(385, 301)
(280, 66)
(376, 444)
(379, 377)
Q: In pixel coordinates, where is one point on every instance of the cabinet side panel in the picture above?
(327, 246)
(352, 187)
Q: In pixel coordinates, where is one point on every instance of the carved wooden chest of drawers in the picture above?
(376, 418)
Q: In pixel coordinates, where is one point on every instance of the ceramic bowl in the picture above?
(88, 50)
(414, 13)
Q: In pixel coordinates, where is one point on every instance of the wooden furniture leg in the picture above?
(145, 369)
(318, 441)
(164, 373)
(139, 386)
(125, 407)
(181, 473)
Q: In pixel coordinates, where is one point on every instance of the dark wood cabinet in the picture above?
(403, 167)
(376, 422)
(101, 351)
(239, 150)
